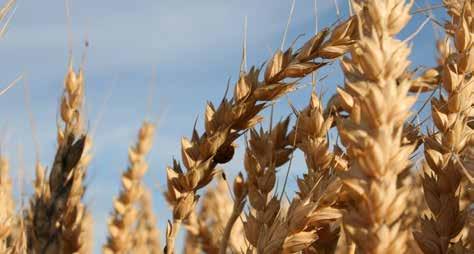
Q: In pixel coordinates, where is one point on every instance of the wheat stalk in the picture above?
(224, 124)
(291, 231)
(60, 223)
(124, 215)
(376, 96)
(363, 198)
(445, 150)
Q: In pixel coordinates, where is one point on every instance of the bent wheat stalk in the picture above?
(224, 124)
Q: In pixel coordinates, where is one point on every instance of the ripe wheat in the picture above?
(364, 194)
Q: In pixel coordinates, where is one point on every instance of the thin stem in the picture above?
(291, 160)
(12, 84)
(236, 211)
(287, 25)
(338, 11)
(427, 9)
(171, 236)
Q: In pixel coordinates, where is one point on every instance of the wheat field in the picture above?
(379, 159)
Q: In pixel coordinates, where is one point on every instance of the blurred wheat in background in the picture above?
(387, 157)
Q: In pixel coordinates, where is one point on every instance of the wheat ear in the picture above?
(60, 222)
(320, 184)
(445, 151)
(377, 96)
(7, 208)
(124, 215)
(146, 235)
(224, 124)
(266, 151)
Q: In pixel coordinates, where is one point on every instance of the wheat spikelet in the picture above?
(293, 229)
(376, 96)
(124, 215)
(224, 124)
(446, 151)
(146, 235)
(60, 221)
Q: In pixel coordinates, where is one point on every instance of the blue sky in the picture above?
(179, 53)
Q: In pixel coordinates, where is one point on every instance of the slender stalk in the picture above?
(236, 211)
(240, 191)
(171, 233)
